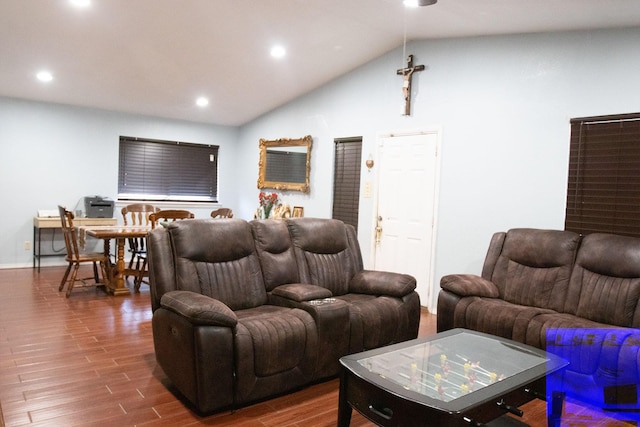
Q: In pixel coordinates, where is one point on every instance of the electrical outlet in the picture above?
(27, 245)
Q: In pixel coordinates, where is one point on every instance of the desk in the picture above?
(115, 279)
(53, 223)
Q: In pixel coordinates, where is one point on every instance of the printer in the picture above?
(97, 207)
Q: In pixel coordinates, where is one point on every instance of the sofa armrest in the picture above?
(301, 292)
(382, 283)
(469, 285)
(199, 309)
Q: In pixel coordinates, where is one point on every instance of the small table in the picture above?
(115, 279)
(53, 223)
(457, 377)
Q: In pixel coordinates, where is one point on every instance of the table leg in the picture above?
(554, 410)
(115, 278)
(120, 288)
(108, 267)
(344, 408)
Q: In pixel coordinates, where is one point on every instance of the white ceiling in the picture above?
(155, 57)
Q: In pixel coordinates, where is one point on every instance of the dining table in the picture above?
(116, 272)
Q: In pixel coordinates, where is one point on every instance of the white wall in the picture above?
(504, 105)
(55, 154)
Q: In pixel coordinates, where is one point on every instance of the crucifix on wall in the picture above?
(407, 74)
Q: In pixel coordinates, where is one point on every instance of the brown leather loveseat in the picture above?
(574, 295)
(247, 310)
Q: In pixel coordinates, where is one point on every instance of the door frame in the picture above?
(437, 130)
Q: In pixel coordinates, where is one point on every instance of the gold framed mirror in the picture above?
(284, 164)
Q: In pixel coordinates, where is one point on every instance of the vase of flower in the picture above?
(267, 202)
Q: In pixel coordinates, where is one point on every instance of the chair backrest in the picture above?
(222, 213)
(275, 251)
(605, 281)
(213, 258)
(69, 233)
(326, 251)
(137, 213)
(169, 215)
(532, 266)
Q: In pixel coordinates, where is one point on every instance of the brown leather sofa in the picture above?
(574, 295)
(243, 311)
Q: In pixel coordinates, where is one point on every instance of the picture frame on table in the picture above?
(298, 212)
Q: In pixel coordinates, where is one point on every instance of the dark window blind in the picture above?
(346, 180)
(167, 170)
(603, 192)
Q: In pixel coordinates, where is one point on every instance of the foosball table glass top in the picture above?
(453, 366)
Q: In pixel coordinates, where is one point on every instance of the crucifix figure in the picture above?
(406, 74)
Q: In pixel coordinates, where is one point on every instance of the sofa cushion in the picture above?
(534, 267)
(605, 283)
(469, 285)
(539, 325)
(276, 349)
(495, 316)
(599, 372)
(228, 270)
(323, 254)
(375, 321)
(199, 309)
(275, 252)
(301, 292)
(591, 351)
(629, 359)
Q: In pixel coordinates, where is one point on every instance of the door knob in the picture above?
(378, 230)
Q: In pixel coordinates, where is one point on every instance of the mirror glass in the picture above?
(284, 164)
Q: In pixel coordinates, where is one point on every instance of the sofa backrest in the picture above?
(605, 282)
(275, 251)
(532, 267)
(326, 252)
(216, 258)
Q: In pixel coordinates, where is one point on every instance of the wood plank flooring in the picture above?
(88, 361)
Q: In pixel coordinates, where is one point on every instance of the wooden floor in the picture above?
(89, 360)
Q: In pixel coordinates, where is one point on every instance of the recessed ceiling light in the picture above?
(80, 3)
(278, 51)
(416, 3)
(44, 76)
(202, 102)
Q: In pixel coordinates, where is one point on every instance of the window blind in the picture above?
(167, 170)
(346, 180)
(603, 192)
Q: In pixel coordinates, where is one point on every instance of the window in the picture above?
(167, 170)
(603, 193)
(346, 180)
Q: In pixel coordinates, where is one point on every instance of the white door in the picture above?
(406, 207)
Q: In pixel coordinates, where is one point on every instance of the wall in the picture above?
(503, 104)
(55, 154)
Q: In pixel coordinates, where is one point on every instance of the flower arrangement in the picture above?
(267, 202)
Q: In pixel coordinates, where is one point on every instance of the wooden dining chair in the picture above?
(137, 214)
(167, 215)
(75, 256)
(222, 213)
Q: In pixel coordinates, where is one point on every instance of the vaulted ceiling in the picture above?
(156, 57)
